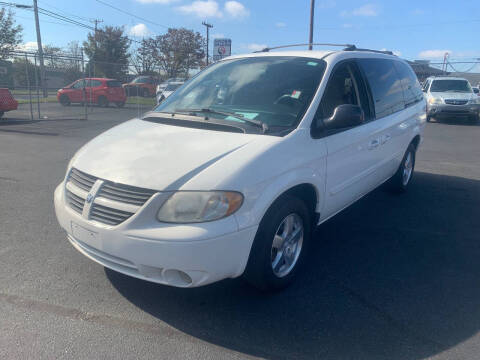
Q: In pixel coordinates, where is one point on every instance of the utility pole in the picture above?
(312, 10)
(208, 26)
(40, 50)
(95, 21)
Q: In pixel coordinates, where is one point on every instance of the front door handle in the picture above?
(373, 144)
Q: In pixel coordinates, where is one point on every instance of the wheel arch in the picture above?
(416, 141)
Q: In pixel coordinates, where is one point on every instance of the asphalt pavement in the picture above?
(391, 277)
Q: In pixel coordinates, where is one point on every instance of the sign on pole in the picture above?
(221, 48)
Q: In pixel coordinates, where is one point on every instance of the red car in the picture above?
(99, 91)
(7, 102)
(141, 86)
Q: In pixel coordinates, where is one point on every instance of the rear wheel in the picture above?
(120, 104)
(399, 182)
(280, 245)
(102, 101)
(65, 100)
(429, 118)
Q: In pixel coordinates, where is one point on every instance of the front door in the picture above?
(351, 152)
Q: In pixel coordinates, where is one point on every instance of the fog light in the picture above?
(177, 277)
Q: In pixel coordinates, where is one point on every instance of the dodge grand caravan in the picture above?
(230, 174)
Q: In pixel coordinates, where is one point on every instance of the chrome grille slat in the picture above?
(455, 102)
(112, 194)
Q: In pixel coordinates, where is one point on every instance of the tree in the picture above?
(10, 34)
(177, 52)
(144, 59)
(108, 53)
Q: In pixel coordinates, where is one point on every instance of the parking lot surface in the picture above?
(391, 277)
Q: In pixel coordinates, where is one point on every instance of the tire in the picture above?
(120, 104)
(102, 101)
(64, 100)
(429, 118)
(399, 182)
(273, 263)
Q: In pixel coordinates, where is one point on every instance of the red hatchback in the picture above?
(7, 102)
(99, 91)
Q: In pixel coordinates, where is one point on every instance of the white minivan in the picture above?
(230, 174)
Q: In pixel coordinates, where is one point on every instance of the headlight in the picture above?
(474, 101)
(434, 100)
(199, 206)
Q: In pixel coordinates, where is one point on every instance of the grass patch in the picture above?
(50, 99)
(141, 101)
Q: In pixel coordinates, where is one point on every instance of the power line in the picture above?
(132, 15)
(64, 12)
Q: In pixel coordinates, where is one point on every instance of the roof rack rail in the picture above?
(354, 48)
(267, 49)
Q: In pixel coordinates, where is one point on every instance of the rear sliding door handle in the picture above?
(373, 144)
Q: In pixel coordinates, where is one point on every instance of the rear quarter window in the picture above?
(412, 91)
(385, 85)
(114, 83)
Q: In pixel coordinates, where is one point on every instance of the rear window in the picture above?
(114, 83)
(172, 87)
(412, 91)
(385, 85)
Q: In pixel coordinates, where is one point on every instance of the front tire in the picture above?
(400, 181)
(280, 245)
(102, 101)
(65, 100)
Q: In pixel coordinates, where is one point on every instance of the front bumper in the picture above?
(178, 255)
(445, 110)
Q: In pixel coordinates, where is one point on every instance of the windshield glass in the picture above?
(450, 85)
(275, 90)
(140, 80)
(172, 87)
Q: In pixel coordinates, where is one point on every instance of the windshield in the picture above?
(274, 90)
(172, 87)
(140, 80)
(450, 86)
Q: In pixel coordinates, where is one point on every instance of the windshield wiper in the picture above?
(225, 113)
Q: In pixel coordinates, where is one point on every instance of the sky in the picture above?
(412, 29)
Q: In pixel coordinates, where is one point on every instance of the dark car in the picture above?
(141, 86)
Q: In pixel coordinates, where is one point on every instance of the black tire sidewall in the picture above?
(102, 101)
(259, 270)
(65, 100)
(398, 184)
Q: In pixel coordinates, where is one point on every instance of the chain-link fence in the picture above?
(70, 87)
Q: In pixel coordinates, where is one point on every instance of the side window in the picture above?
(96, 83)
(341, 89)
(412, 91)
(78, 84)
(385, 86)
(345, 86)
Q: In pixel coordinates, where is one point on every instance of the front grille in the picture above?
(455, 102)
(75, 202)
(111, 202)
(125, 194)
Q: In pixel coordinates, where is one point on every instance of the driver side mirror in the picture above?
(345, 116)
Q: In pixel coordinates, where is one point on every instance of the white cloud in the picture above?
(347, 26)
(218, 36)
(28, 46)
(280, 24)
(156, 1)
(365, 10)
(433, 54)
(202, 9)
(236, 10)
(256, 47)
(139, 30)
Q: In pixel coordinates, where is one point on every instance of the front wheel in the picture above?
(64, 100)
(102, 101)
(120, 104)
(280, 245)
(400, 181)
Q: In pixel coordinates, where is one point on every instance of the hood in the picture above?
(453, 95)
(167, 93)
(155, 156)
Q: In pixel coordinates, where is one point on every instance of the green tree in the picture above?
(10, 34)
(108, 52)
(177, 52)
